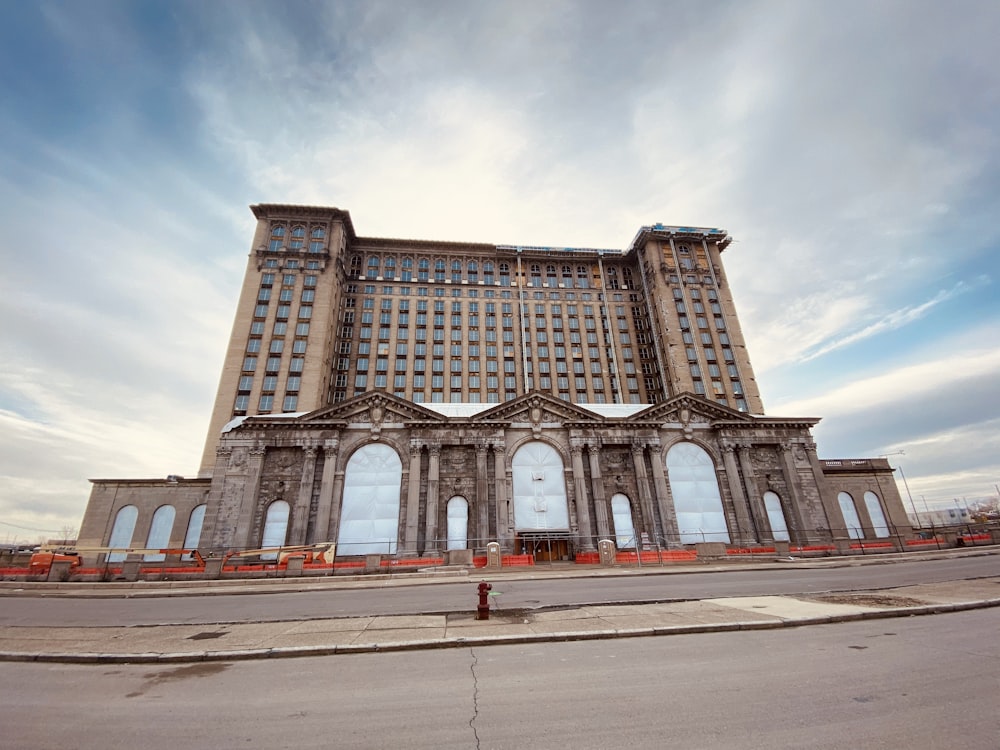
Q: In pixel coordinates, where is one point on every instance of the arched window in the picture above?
(697, 502)
(318, 233)
(539, 488)
(621, 514)
(776, 517)
(193, 535)
(369, 517)
(458, 523)
(121, 532)
(159, 532)
(275, 528)
(299, 232)
(875, 513)
(277, 239)
(850, 514)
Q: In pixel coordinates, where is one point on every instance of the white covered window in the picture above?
(159, 532)
(121, 532)
(879, 524)
(621, 514)
(369, 517)
(193, 534)
(275, 528)
(850, 514)
(458, 523)
(776, 517)
(697, 502)
(539, 489)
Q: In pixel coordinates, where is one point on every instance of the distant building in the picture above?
(411, 396)
(943, 517)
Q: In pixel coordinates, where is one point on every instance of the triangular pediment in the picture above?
(537, 407)
(372, 407)
(685, 408)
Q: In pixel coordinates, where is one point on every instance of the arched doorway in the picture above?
(697, 501)
(621, 515)
(458, 523)
(541, 510)
(776, 517)
(275, 528)
(369, 516)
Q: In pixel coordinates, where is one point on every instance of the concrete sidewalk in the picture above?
(227, 642)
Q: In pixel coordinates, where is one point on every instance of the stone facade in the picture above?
(303, 463)
(411, 397)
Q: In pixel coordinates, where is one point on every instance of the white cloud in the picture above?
(890, 322)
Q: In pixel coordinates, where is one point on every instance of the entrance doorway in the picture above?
(544, 548)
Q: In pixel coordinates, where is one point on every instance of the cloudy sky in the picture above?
(851, 148)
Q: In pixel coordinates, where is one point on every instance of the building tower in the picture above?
(325, 315)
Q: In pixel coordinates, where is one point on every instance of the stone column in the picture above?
(597, 483)
(482, 498)
(251, 494)
(793, 515)
(337, 504)
(668, 515)
(831, 508)
(322, 529)
(586, 534)
(746, 530)
(754, 501)
(500, 482)
(300, 513)
(413, 501)
(431, 542)
(645, 501)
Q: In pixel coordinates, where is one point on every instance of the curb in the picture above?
(497, 640)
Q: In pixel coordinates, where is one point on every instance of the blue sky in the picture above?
(851, 149)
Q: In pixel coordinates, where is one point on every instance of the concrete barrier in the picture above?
(710, 550)
(458, 557)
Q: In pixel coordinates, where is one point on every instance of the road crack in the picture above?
(475, 695)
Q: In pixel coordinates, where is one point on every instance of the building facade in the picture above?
(405, 397)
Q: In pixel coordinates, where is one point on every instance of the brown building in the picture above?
(404, 396)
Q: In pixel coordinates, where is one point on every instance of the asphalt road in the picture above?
(459, 597)
(918, 683)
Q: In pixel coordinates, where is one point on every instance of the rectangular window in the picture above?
(266, 402)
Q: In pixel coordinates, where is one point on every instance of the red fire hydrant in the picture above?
(483, 610)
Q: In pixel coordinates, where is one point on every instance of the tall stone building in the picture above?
(407, 396)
